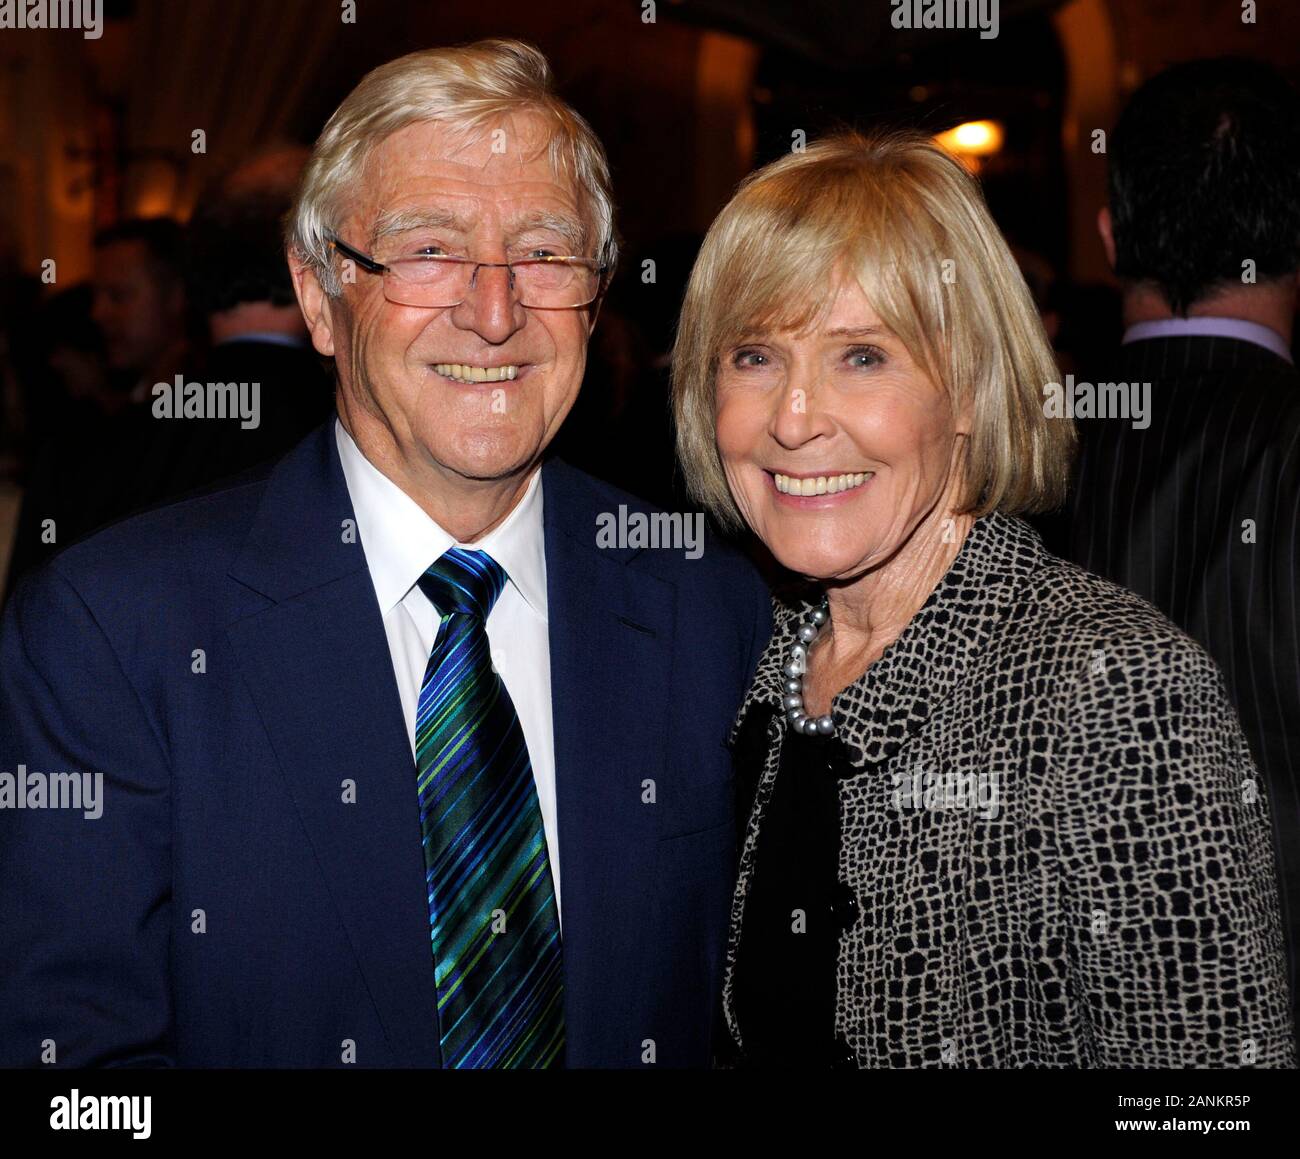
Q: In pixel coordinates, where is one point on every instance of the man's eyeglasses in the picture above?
(437, 280)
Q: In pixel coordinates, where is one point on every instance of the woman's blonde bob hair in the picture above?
(910, 223)
(470, 88)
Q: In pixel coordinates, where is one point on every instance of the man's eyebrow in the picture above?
(398, 221)
(395, 221)
(569, 228)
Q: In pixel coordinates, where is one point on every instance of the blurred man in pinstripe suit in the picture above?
(1199, 512)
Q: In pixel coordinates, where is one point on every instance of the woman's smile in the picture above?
(808, 492)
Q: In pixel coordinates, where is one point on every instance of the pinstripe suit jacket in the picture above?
(1200, 514)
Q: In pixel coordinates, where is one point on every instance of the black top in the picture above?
(784, 984)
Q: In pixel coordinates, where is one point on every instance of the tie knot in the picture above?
(464, 581)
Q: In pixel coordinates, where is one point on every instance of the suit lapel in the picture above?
(317, 663)
(611, 642)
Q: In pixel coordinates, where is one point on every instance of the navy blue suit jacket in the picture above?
(231, 907)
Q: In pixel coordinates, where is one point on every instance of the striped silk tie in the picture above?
(495, 927)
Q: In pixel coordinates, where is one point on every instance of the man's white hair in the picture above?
(470, 89)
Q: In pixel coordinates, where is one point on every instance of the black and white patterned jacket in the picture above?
(1103, 892)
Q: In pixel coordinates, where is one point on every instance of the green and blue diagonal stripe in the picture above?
(492, 913)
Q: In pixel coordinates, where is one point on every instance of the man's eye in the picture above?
(417, 248)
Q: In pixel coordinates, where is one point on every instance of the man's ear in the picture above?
(315, 306)
(1104, 228)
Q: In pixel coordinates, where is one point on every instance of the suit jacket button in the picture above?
(844, 905)
(842, 1056)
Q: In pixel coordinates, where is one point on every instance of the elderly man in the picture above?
(388, 758)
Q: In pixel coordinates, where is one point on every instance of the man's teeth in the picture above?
(821, 484)
(462, 372)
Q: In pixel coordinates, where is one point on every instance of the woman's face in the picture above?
(836, 445)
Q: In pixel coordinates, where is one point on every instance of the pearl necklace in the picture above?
(796, 666)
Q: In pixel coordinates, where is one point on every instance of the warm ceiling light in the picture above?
(972, 139)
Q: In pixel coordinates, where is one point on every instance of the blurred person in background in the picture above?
(239, 286)
(1199, 511)
(140, 307)
(66, 377)
(84, 476)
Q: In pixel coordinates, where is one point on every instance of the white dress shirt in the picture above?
(401, 542)
(1209, 326)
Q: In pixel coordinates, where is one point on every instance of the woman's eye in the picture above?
(745, 358)
(864, 356)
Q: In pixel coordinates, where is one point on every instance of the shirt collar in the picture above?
(401, 541)
(1209, 327)
(267, 338)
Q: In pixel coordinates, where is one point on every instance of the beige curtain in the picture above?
(235, 70)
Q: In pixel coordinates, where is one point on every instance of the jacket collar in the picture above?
(303, 536)
(918, 671)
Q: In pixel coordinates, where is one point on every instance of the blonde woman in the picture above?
(997, 811)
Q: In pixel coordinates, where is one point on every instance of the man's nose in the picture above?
(490, 308)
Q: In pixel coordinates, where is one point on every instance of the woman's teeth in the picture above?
(461, 372)
(820, 484)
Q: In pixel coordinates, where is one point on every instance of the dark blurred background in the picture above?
(95, 132)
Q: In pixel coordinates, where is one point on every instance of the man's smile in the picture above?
(471, 372)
